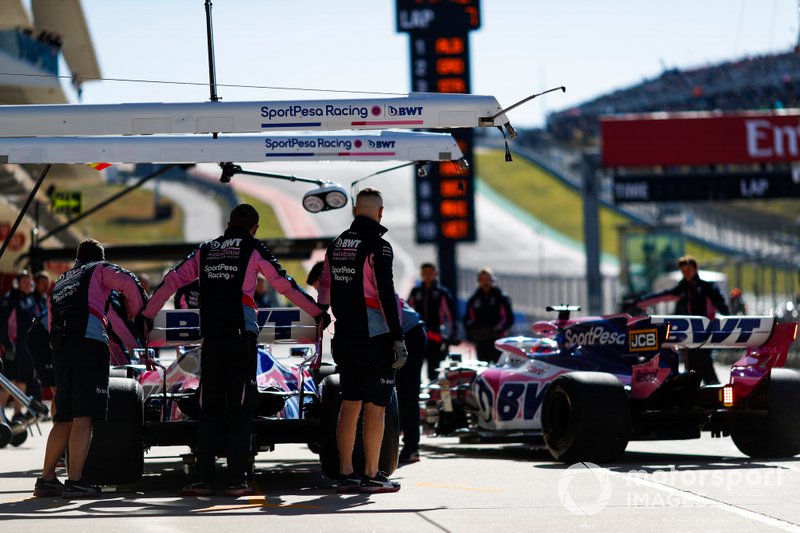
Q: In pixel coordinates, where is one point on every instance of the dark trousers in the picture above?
(434, 355)
(228, 396)
(699, 360)
(486, 351)
(407, 381)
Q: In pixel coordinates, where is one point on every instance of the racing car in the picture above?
(152, 404)
(587, 386)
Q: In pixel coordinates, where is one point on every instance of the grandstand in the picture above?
(769, 81)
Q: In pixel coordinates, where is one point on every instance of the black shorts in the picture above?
(81, 372)
(365, 369)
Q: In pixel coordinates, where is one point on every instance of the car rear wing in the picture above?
(278, 325)
(415, 111)
(720, 332)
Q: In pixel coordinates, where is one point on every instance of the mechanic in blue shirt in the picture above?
(407, 381)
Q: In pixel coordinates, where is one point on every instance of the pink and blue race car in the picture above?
(587, 386)
(155, 403)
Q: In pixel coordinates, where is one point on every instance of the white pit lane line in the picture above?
(709, 502)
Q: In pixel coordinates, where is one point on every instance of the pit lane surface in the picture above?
(701, 485)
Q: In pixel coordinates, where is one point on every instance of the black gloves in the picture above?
(323, 318)
(143, 327)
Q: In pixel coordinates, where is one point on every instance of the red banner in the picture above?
(701, 138)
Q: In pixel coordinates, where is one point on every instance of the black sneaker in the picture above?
(48, 488)
(198, 488)
(379, 483)
(408, 458)
(240, 489)
(80, 489)
(348, 483)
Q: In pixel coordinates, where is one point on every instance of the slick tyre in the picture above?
(116, 454)
(586, 417)
(331, 398)
(780, 434)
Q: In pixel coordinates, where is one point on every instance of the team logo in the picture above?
(642, 340)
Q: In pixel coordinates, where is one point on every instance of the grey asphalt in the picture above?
(696, 485)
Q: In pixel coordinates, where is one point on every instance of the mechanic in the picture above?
(696, 297)
(17, 310)
(80, 362)
(227, 268)
(408, 381)
(368, 343)
(435, 304)
(489, 316)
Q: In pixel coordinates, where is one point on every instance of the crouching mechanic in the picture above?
(368, 342)
(227, 268)
(79, 339)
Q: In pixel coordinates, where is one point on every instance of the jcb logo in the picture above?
(641, 340)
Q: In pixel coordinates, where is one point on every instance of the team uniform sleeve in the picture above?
(383, 257)
(469, 314)
(282, 282)
(185, 272)
(447, 311)
(506, 313)
(324, 290)
(669, 295)
(119, 279)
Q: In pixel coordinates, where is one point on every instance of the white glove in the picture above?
(400, 354)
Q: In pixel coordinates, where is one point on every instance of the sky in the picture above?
(524, 46)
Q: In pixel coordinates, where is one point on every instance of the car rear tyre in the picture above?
(780, 436)
(116, 455)
(586, 417)
(331, 398)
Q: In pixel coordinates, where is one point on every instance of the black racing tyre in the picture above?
(5, 435)
(329, 452)
(586, 416)
(116, 455)
(780, 435)
(325, 370)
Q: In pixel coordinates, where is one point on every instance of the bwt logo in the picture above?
(404, 111)
(381, 144)
(641, 340)
(700, 330)
(347, 243)
(227, 243)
